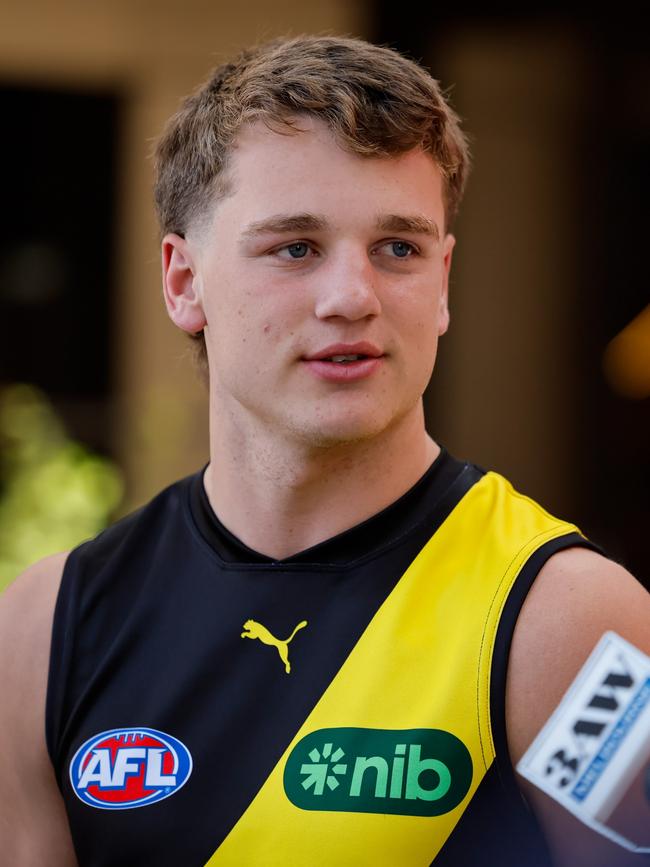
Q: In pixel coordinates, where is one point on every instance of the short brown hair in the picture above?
(376, 101)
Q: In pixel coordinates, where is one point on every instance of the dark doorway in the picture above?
(57, 243)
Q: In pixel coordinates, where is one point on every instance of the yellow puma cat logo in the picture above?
(256, 630)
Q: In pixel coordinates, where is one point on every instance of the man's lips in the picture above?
(324, 368)
(365, 349)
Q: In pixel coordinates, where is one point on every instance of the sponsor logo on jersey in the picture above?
(129, 767)
(410, 772)
(253, 629)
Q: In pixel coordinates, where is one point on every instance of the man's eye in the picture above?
(298, 250)
(401, 249)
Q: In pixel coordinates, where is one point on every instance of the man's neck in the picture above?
(280, 498)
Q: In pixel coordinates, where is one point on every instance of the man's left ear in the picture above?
(180, 284)
(447, 250)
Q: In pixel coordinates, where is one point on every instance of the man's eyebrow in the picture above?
(281, 223)
(414, 224)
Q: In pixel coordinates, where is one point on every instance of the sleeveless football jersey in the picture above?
(344, 706)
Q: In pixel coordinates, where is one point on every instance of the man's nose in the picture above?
(348, 287)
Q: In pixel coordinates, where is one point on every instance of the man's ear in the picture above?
(443, 313)
(180, 284)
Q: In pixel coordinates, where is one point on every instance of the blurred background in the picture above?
(545, 373)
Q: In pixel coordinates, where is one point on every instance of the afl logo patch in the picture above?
(124, 768)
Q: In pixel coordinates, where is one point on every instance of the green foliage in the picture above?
(54, 492)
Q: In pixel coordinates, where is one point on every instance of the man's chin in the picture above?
(339, 435)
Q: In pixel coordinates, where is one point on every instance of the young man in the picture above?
(298, 655)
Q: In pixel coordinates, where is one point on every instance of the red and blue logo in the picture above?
(124, 768)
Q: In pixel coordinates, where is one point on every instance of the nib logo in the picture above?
(409, 772)
(318, 773)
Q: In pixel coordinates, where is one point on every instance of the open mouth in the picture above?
(345, 359)
(344, 368)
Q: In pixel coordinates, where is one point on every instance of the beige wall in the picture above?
(504, 394)
(152, 52)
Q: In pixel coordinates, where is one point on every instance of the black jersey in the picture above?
(343, 706)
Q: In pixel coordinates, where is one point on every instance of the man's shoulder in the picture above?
(577, 597)
(26, 615)
(126, 532)
(28, 603)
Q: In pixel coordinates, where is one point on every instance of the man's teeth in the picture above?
(345, 357)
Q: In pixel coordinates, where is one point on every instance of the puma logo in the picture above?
(253, 629)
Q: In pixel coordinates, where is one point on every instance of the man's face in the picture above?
(317, 247)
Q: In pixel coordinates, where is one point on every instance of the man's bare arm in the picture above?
(577, 596)
(33, 825)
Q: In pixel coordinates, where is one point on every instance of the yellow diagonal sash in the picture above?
(423, 662)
